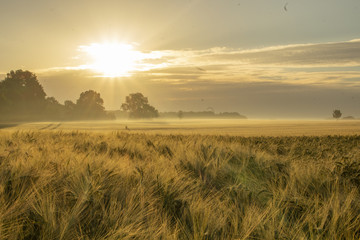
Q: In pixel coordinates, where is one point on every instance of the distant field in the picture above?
(208, 126)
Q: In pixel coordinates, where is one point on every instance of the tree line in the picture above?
(22, 98)
(202, 114)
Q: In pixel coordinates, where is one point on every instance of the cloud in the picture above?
(303, 55)
(272, 63)
(317, 64)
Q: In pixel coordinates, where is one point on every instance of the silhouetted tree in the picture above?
(21, 91)
(337, 114)
(21, 96)
(138, 107)
(89, 105)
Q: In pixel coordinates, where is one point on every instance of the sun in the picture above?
(112, 59)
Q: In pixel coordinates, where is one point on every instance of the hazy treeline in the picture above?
(180, 115)
(22, 98)
(201, 114)
(190, 114)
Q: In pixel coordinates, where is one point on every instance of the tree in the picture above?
(69, 106)
(89, 105)
(138, 107)
(337, 114)
(180, 114)
(69, 110)
(53, 109)
(20, 91)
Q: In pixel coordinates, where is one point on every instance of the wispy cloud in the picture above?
(290, 63)
(321, 63)
(301, 55)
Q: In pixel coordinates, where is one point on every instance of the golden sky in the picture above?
(259, 58)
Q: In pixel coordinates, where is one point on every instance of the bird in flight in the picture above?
(285, 7)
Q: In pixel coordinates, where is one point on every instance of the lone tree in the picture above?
(138, 106)
(89, 105)
(337, 114)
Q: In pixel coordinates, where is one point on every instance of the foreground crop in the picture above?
(82, 185)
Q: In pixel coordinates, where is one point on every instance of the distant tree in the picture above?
(89, 105)
(230, 115)
(337, 114)
(53, 109)
(138, 107)
(52, 101)
(180, 114)
(20, 91)
(69, 105)
(69, 110)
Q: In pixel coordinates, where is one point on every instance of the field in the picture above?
(180, 180)
(204, 127)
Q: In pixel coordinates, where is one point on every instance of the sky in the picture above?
(262, 58)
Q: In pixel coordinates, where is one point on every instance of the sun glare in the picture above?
(113, 59)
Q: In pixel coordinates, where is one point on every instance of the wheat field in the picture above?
(71, 184)
(233, 127)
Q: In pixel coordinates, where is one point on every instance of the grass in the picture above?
(120, 185)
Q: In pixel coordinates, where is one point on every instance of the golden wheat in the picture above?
(118, 185)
